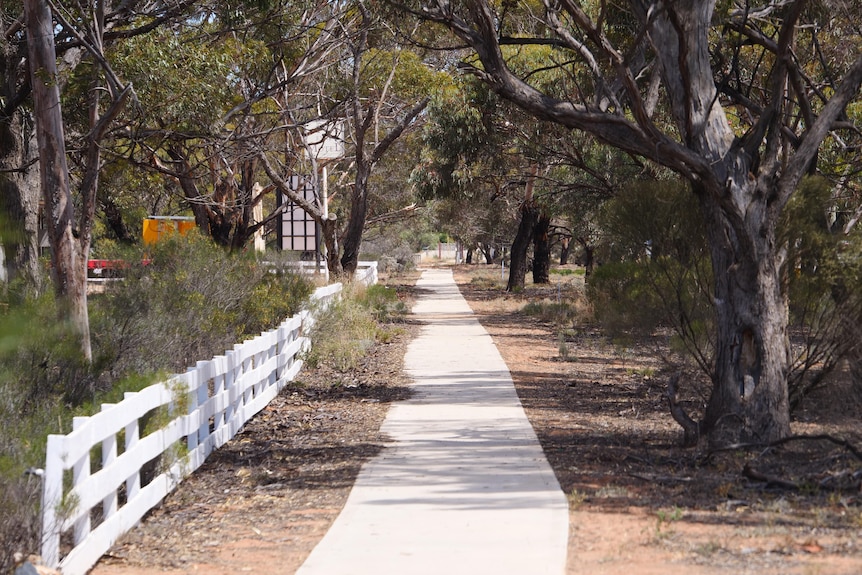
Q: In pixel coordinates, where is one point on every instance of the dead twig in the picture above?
(840, 441)
(770, 480)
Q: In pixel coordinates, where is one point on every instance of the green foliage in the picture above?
(560, 313)
(383, 303)
(38, 359)
(341, 335)
(657, 271)
(344, 331)
(823, 271)
(190, 300)
(458, 136)
(658, 274)
(411, 79)
(623, 297)
(181, 81)
(276, 296)
(567, 272)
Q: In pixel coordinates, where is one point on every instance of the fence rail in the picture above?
(116, 465)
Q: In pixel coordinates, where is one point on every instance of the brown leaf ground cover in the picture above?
(639, 502)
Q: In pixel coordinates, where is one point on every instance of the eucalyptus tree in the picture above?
(475, 161)
(257, 81)
(478, 154)
(81, 34)
(386, 91)
(751, 102)
(86, 31)
(188, 128)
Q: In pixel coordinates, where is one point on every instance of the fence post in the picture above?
(280, 343)
(109, 454)
(80, 473)
(192, 396)
(245, 362)
(230, 387)
(202, 377)
(133, 435)
(219, 388)
(52, 498)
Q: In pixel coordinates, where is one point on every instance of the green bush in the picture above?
(276, 296)
(559, 313)
(657, 271)
(568, 272)
(658, 274)
(823, 274)
(341, 335)
(37, 363)
(189, 300)
(382, 302)
(343, 332)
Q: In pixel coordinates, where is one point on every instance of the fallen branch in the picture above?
(840, 441)
(822, 437)
(661, 479)
(751, 473)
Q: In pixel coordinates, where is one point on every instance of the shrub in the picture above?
(341, 335)
(558, 313)
(343, 332)
(190, 300)
(657, 271)
(35, 366)
(658, 274)
(824, 284)
(382, 302)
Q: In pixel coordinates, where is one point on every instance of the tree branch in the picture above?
(690, 427)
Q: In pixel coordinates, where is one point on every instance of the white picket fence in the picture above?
(104, 476)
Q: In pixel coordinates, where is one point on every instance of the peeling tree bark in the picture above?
(69, 263)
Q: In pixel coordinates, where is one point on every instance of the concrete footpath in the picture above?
(464, 488)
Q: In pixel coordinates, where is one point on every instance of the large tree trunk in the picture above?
(189, 186)
(487, 253)
(542, 251)
(565, 250)
(521, 246)
(19, 200)
(749, 400)
(114, 221)
(356, 223)
(589, 256)
(69, 269)
(329, 231)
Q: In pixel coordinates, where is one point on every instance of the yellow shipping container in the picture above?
(157, 228)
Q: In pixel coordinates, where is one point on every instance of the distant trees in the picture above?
(240, 114)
